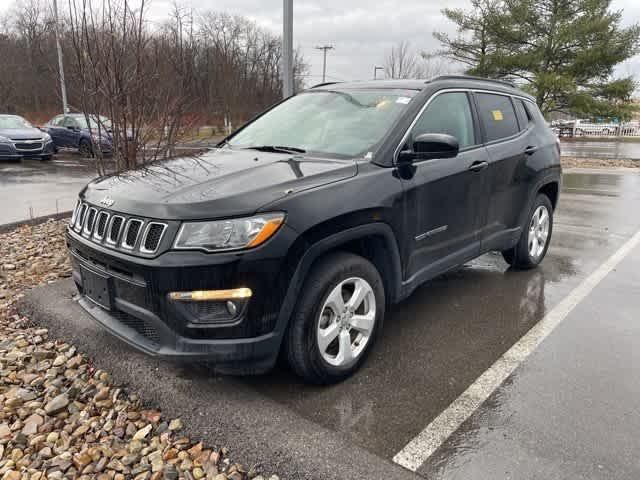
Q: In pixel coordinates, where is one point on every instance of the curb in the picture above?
(7, 227)
(221, 411)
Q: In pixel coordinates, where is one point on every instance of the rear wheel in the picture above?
(336, 320)
(535, 238)
(85, 148)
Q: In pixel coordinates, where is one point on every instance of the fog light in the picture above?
(232, 308)
(207, 295)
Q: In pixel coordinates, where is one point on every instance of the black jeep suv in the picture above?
(297, 231)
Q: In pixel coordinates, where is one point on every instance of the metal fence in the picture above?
(585, 129)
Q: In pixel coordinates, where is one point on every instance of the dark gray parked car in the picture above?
(18, 139)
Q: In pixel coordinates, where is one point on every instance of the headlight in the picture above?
(228, 234)
(4, 140)
(46, 138)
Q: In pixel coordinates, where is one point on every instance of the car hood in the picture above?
(21, 133)
(217, 184)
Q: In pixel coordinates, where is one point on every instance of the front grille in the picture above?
(118, 231)
(101, 225)
(27, 147)
(74, 215)
(90, 222)
(80, 218)
(131, 234)
(152, 237)
(114, 230)
(5, 149)
(144, 328)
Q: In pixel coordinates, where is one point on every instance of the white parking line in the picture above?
(418, 450)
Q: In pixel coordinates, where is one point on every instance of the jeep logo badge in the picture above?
(107, 201)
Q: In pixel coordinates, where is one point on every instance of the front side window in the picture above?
(94, 123)
(70, 122)
(448, 113)
(497, 115)
(342, 123)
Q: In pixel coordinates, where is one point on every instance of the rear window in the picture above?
(498, 116)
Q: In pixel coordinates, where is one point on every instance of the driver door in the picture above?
(447, 197)
(71, 135)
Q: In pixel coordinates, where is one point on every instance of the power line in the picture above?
(324, 48)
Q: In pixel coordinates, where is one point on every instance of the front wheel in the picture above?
(336, 320)
(535, 238)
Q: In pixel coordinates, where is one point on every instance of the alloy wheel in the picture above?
(538, 232)
(347, 321)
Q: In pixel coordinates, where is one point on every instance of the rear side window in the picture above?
(498, 116)
(534, 113)
(524, 118)
(448, 113)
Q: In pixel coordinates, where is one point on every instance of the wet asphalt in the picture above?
(436, 343)
(31, 188)
(570, 411)
(602, 149)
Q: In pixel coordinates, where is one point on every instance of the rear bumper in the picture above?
(141, 313)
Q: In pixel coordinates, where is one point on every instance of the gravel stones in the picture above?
(60, 417)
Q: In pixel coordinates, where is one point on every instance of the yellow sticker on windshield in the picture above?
(497, 115)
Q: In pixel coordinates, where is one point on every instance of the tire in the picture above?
(525, 255)
(317, 311)
(85, 149)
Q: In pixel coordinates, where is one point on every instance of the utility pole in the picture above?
(287, 49)
(63, 88)
(324, 48)
(375, 72)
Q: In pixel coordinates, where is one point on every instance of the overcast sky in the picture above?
(360, 30)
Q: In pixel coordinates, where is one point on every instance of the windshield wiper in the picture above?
(277, 149)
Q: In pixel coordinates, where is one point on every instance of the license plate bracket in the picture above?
(96, 287)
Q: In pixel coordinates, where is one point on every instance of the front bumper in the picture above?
(140, 312)
(47, 150)
(8, 152)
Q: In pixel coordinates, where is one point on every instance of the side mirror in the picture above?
(72, 128)
(429, 146)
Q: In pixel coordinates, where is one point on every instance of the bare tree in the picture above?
(153, 81)
(401, 61)
(432, 65)
(137, 79)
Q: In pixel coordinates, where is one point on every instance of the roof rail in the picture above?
(325, 84)
(472, 77)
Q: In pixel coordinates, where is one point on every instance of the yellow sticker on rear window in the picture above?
(497, 115)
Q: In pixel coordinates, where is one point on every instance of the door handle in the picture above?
(530, 150)
(478, 166)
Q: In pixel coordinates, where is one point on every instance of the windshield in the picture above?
(345, 123)
(14, 123)
(93, 122)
